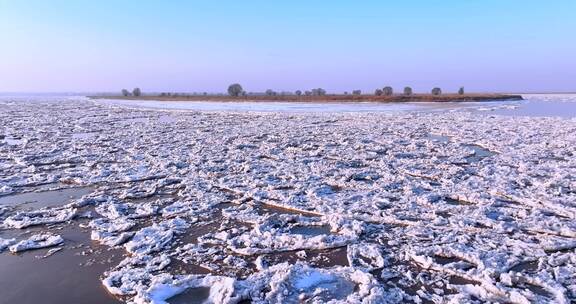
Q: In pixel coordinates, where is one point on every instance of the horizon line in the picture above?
(225, 93)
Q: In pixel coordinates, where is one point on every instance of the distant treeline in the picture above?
(236, 90)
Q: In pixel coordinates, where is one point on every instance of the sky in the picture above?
(203, 46)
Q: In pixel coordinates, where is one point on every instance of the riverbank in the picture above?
(326, 98)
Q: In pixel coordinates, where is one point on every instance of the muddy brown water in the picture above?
(71, 275)
(36, 200)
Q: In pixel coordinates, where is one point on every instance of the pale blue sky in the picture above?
(489, 45)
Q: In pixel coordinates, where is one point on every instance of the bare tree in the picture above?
(356, 92)
(461, 91)
(318, 92)
(436, 91)
(388, 91)
(125, 92)
(408, 91)
(136, 92)
(270, 92)
(235, 90)
(378, 92)
(298, 93)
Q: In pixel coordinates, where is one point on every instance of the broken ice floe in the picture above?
(281, 233)
(154, 238)
(39, 217)
(282, 283)
(111, 232)
(37, 241)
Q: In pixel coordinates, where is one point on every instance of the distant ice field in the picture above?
(561, 105)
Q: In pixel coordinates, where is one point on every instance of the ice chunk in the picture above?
(221, 289)
(275, 234)
(125, 282)
(365, 256)
(116, 225)
(149, 239)
(37, 241)
(155, 237)
(4, 243)
(39, 217)
(111, 239)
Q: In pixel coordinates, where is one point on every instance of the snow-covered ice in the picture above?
(39, 217)
(5, 243)
(444, 207)
(37, 241)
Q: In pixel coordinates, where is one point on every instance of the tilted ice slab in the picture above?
(39, 217)
(37, 241)
(114, 209)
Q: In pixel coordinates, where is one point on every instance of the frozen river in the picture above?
(144, 202)
(562, 105)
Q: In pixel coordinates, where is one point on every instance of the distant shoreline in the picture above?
(325, 98)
